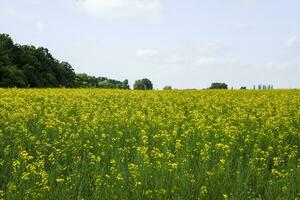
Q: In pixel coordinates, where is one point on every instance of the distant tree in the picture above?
(65, 74)
(143, 84)
(23, 66)
(125, 84)
(218, 86)
(6, 49)
(105, 84)
(28, 66)
(86, 81)
(11, 76)
(31, 76)
(82, 80)
(167, 87)
(243, 88)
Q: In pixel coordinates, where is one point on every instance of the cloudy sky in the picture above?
(182, 43)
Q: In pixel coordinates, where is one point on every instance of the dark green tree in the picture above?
(143, 84)
(218, 86)
(28, 66)
(11, 76)
(167, 87)
(125, 85)
(6, 49)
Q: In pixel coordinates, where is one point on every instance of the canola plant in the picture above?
(113, 144)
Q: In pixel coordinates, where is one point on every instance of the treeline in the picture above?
(86, 81)
(27, 66)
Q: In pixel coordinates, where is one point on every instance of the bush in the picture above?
(143, 84)
(167, 87)
(218, 86)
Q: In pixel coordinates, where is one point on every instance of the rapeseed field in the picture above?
(111, 144)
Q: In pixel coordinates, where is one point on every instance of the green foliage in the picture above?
(6, 47)
(218, 86)
(125, 84)
(167, 87)
(143, 84)
(86, 81)
(28, 66)
(11, 76)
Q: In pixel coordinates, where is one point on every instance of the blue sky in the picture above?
(185, 44)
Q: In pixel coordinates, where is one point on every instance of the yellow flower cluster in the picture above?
(111, 144)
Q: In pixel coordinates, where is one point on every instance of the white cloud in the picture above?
(209, 61)
(146, 53)
(39, 26)
(293, 42)
(117, 9)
